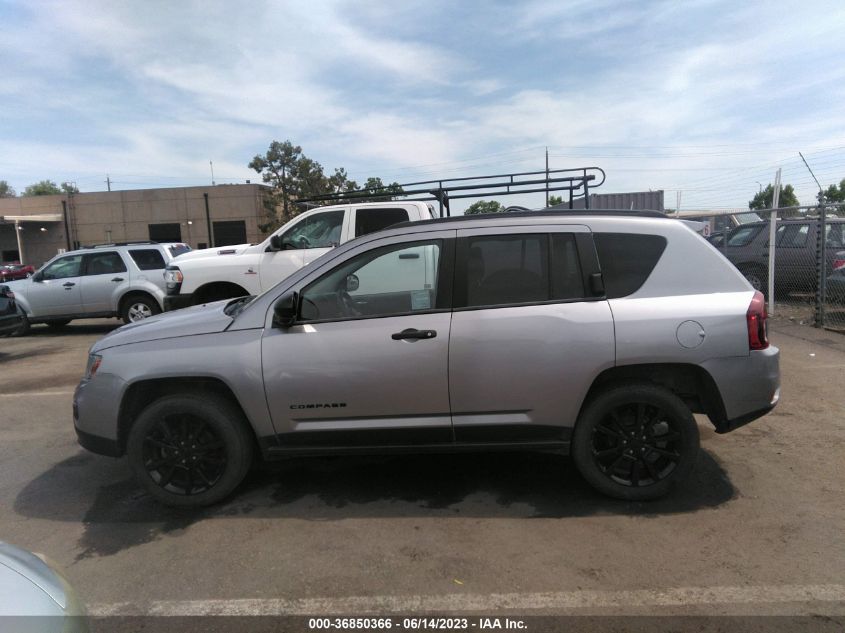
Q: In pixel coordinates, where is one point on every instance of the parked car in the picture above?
(246, 269)
(35, 596)
(595, 334)
(10, 272)
(10, 317)
(795, 252)
(123, 280)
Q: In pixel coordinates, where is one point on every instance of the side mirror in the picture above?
(276, 243)
(352, 283)
(39, 277)
(285, 309)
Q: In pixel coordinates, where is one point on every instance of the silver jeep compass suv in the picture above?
(595, 334)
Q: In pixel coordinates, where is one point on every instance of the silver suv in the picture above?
(125, 280)
(597, 334)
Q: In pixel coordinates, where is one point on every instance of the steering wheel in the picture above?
(347, 304)
(304, 242)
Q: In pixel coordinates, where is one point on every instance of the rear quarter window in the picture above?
(627, 260)
(147, 259)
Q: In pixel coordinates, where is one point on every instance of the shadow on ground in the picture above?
(117, 514)
(75, 329)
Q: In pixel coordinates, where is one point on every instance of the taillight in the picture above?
(838, 263)
(758, 335)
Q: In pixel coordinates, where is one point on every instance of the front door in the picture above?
(302, 243)
(526, 339)
(366, 363)
(57, 291)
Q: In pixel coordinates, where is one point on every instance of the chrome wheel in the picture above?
(139, 311)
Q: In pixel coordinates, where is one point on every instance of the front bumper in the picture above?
(177, 302)
(96, 406)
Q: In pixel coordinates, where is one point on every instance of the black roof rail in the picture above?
(539, 213)
(110, 244)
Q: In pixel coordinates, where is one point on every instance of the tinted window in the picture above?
(104, 264)
(742, 236)
(147, 259)
(321, 230)
(794, 235)
(63, 268)
(178, 249)
(833, 235)
(399, 279)
(627, 260)
(372, 220)
(567, 282)
(506, 269)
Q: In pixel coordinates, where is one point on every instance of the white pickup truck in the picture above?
(226, 272)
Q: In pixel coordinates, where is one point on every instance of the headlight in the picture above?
(94, 361)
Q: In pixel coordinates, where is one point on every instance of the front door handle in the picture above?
(69, 284)
(413, 334)
(117, 279)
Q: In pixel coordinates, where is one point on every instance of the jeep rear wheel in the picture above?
(190, 450)
(635, 442)
(757, 278)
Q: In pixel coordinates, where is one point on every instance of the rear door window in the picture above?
(794, 236)
(147, 259)
(627, 260)
(370, 220)
(104, 263)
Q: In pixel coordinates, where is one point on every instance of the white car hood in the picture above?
(217, 251)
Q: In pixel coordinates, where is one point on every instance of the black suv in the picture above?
(795, 256)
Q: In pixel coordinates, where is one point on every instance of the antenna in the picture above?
(821, 191)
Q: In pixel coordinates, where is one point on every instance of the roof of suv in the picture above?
(481, 217)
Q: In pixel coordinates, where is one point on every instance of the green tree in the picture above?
(763, 199)
(69, 187)
(293, 176)
(553, 200)
(42, 188)
(833, 193)
(6, 190)
(484, 206)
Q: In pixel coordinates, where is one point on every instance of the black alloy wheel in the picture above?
(184, 455)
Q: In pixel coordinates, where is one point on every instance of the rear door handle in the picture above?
(69, 284)
(413, 334)
(117, 279)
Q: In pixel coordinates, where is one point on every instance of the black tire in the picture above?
(57, 323)
(635, 441)
(137, 307)
(23, 330)
(179, 428)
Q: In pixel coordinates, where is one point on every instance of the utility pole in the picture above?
(772, 246)
(678, 202)
(212, 172)
(108, 182)
(547, 176)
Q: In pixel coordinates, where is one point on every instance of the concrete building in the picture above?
(34, 229)
(636, 201)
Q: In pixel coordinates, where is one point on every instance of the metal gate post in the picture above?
(821, 264)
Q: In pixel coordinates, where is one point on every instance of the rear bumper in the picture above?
(749, 386)
(177, 302)
(96, 405)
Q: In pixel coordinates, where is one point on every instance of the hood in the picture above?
(203, 319)
(217, 251)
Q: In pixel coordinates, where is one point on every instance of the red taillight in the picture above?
(838, 263)
(758, 336)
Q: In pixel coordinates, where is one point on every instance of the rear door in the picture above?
(104, 278)
(527, 339)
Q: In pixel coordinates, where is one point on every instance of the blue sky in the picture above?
(708, 98)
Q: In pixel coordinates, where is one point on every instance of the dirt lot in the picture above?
(759, 529)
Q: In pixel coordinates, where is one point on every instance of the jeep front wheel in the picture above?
(635, 442)
(190, 450)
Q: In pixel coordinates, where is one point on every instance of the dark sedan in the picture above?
(10, 317)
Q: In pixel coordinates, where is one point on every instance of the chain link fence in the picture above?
(804, 276)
